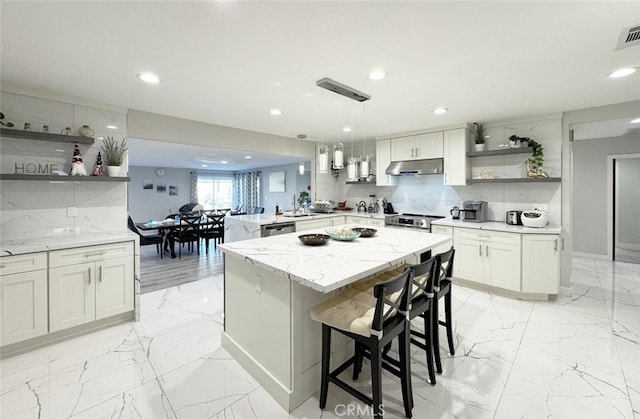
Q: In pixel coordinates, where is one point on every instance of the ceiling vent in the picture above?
(629, 37)
(343, 90)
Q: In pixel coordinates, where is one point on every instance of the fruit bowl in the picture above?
(343, 234)
(314, 239)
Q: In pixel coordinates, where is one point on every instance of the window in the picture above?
(215, 191)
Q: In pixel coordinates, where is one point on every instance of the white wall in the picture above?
(294, 184)
(35, 208)
(145, 204)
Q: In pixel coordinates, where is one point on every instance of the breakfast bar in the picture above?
(272, 283)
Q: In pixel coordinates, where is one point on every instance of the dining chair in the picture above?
(212, 227)
(186, 232)
(223, 211)
(145, 240)
(373, 319)
(442, 289)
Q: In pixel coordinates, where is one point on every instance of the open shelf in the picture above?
(501, 152)
(57, 178)
(516, 180)
(45, 136)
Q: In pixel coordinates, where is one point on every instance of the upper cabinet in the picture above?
(417, 147)
(456, 162)
(383, 159)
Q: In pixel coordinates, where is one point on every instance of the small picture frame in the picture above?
(147, 184)
(173, 190)
(161, 187)
(276, 182)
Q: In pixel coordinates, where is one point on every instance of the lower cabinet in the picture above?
(83, 292)
(490, 258)
(369, 221)
(23, 297)
(446, 231)
(313, 224)
(540, 264)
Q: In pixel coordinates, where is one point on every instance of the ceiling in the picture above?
(230, 62)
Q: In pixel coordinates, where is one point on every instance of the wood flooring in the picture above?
(157, 274)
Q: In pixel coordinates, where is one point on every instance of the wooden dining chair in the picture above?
(145, 240)
(187, 232)
(212, 227)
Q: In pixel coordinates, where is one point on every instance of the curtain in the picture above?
(193, 196)
(246, 186)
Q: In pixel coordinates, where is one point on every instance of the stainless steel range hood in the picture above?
(415, 167)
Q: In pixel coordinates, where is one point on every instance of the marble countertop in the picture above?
(499, 226)
(349, 261)
(264, 219)
(22, 246)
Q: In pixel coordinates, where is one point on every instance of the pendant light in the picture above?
(352, 163)
(338, 156)
(301, 169)
(323, 159)
(365, 161)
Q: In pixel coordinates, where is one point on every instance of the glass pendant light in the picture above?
(323, 159)
(352, 169)
(365, 164)
(338, 156)
(301, 169)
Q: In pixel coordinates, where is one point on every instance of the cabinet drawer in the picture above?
(446, 230)
(490, 236)
(23, 263)
(78, 255)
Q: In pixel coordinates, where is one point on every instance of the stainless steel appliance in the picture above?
(475, 211)
(277, 229)
(513, 217)
(455, 212)
(420, 221)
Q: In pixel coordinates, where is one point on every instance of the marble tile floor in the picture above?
(572, 358)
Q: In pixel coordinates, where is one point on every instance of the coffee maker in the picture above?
(475, 211)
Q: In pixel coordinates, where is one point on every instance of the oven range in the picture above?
(419, 221)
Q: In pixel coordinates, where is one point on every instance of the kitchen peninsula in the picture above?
(272, 283)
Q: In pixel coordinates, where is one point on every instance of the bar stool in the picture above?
(442, 288)
(372, 320)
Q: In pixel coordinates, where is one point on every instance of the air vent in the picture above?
(629, 37)
(343, 90)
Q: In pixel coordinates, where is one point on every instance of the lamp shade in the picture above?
(338, 156)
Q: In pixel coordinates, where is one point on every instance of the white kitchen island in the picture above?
(271, 284)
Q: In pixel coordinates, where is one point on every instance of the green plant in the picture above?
(478, 133)
(303, 198)
(114, 151)
(537, 159)
(5, 124)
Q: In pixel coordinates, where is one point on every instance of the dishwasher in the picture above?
(277, 229)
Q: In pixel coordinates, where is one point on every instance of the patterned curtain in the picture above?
(246, 187)
(194, 188)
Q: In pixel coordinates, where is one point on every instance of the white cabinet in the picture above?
(490, 258)
(368, 221)
(90, 283)
(23, 297)
(313, 224)
(383, 160)
(417, 147)
(446, 231)
(456, 162)
(540, 263)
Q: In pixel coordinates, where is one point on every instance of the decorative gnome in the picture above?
(98, 169)
(77, 165)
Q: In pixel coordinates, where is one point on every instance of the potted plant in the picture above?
(113, 154)
(535, 162)
(478, 135)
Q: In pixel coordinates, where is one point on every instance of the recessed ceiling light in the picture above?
(223, 162)
(148, 77)
(112, 127)
(275, 112)
(377, 75)
(248, 157)
(622, 72)
(440, 111)
(205, 165)
(635, 121)
(346, 129)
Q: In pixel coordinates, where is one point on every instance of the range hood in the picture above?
(415, 167)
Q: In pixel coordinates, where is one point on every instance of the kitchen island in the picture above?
(270, 286)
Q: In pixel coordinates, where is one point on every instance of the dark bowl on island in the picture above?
(314, 239)
(365, 231)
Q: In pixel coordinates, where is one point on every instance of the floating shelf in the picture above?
(45, 136)
(57, 178)
(502, 152)
(363, 182)
(516, 180)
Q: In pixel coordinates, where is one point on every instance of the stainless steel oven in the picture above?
(419, 222)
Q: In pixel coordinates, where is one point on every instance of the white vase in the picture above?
(113, 171)
(479, 147)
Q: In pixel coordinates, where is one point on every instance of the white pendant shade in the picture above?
(338, 156)
(323, 159)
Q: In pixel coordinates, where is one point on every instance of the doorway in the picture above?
(626, 208)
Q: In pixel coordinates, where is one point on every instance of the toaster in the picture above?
(513, 217)
(534, 218)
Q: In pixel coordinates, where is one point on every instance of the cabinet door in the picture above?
(377, 222)
(23, 306)
(383, 159)
(540, 267)
(71, 296)
(468, 261)
(456, 162)
(502, 265)
(114, 287)
(337, 221)
(446, 231)
(429, 146)
(403, 148)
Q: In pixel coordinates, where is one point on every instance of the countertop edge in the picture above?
(35, 245)
(499, 226)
